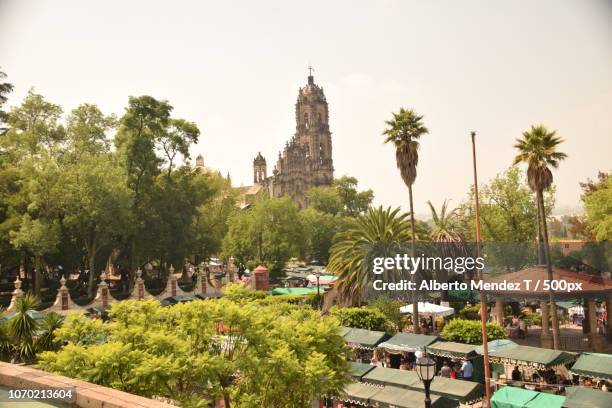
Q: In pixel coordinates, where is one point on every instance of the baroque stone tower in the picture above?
(259, 169)
(306, 161)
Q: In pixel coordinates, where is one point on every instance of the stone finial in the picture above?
(103, 277)
(139, 273)
(171, 269)
(17, 284)
(63, 282)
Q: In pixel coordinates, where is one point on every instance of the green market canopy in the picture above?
(359, 393)
(596, 365)
(496, 345)
(451, 349)
(535, 357)
(358, 370)
(407, 342)
(387, 397)
(512, 397)
(578, 397)
(462, 391)
(364, 339)
(294, 291)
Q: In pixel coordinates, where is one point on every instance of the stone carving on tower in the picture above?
(306, 161)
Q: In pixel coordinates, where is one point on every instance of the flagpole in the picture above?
(483, 302)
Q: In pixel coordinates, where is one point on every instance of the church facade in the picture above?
(306, 160)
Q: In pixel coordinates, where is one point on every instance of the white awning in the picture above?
(429, 309)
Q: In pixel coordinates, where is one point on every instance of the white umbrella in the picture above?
(429, 309)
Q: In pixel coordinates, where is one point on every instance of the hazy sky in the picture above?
(234, 68)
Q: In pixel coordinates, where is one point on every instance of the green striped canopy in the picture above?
(531, 356)
(512, 397)
(596, 365)
(407, 342)
(452, 349)
(364, 339)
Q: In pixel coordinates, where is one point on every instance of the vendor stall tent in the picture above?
(497, 345)
(407, 342)
(363, 339)
(450, 349)
(323, 279)
(535, 357)
(458, 351)
(512, 397)
(464, 392)
(427, 309)
(358, 370)
(295, 291)
(390, 397)
(594, 365)
(579, 397)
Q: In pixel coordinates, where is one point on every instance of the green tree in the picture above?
(352, 249)
(341, 198)
(246, 354)
(405, 131)
(538, 149)
(269, 233)
(597, 199)
(319, 229)
(97, 207)
(5, 89)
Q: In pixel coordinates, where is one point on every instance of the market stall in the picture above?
(512, 397)
(363, 342)
(358, 370)
(578, 397)
(453, 353)
(367, 395)
(407, 342)
(464, 392)
(597, 366)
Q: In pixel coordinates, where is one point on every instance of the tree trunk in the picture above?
(540, 246)
(91, 264)
(37, 275)
(553, 305)
(415, 300)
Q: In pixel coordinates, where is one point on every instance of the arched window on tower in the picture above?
(318, 117)
(306, 119)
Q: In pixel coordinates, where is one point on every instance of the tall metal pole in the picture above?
(483, 302)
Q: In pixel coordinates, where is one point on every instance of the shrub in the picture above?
(362, 318)
(237, 292)
(470, 312)
(469, 331)
(391, 309)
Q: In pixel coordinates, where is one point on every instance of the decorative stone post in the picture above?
(231, 268)
(103, 290)
(545, 338)
(261, 278)
(173, 281)
(63, 295)
(594, 338)
(140, 288)
(17, 295)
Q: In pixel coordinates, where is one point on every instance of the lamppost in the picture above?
(426, 370)
(318, 275)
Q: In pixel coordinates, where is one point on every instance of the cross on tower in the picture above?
(310, 69)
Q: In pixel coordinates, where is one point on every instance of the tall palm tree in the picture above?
(404, 131)
(352, 249)
(22, 327)
(538, 149)
(446, 235)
